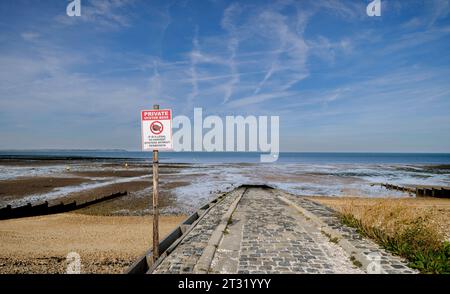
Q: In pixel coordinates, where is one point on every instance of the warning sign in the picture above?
(156, 129)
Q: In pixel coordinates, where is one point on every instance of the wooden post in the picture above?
(155, 203)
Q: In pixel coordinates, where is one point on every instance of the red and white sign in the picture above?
(156, 129)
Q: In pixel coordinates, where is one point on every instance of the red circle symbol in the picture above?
(156, 127)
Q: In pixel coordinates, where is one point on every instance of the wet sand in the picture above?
(106, 244)
(31, 162)
(20, 187)
(86, 180)
(112, 173)
(137, 202)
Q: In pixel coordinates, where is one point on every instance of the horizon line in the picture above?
(256, 152)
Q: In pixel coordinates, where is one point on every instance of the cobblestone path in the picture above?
(275, 238)
(186, 255)
(272, 232)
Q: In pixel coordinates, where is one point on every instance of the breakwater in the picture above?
(28, 210)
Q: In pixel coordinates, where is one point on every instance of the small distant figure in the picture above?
(67, 168)
(126, 165)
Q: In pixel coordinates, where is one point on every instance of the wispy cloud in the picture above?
(30, 36)
(291, 48)
(413, 39)
(233, 44)
(255, 99)
(440, 9)
(343, 9)
(194, 57)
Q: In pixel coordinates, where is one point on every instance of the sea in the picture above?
(237, 157)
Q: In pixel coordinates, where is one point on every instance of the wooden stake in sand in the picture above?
(155, 202)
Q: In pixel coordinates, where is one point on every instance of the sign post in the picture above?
(155, 202)
(156, 127)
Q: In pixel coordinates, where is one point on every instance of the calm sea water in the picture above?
(241, 157)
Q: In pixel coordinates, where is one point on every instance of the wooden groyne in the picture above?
(28, 210)
(421, 191)
(399, 188)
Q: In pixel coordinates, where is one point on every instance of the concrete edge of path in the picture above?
(188, 229)
(348, 247)
(204, 262)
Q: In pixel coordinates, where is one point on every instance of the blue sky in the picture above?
(338, 79)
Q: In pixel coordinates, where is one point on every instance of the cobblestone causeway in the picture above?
(266, 235)
(275, 238)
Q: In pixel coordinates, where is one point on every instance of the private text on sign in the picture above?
(156, 129)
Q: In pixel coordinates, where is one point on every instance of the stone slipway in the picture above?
(262, 230)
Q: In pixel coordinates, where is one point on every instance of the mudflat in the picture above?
(23, 186)
(55, 181)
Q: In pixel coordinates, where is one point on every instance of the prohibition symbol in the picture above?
(156, 127)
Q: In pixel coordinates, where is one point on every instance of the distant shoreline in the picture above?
(232, 157)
